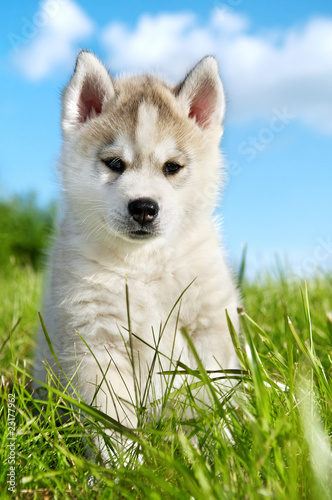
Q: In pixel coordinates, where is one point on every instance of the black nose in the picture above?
(143, 210)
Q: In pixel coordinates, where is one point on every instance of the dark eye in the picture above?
(115, 164)
(171, 168)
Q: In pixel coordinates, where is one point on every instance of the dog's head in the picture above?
(140, 158)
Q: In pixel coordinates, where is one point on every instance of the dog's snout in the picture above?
(143, 210)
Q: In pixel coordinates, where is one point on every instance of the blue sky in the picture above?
(275, 60)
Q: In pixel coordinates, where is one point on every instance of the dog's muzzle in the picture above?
(143, 211)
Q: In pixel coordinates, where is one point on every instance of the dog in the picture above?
(137, 256)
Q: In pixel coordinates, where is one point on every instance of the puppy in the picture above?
(141, 171)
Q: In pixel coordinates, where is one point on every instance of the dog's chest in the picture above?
(102, 305)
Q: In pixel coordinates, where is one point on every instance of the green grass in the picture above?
(20, 298)
(272, 442)
(25, 230)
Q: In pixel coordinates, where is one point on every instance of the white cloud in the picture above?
(160, 43)
(290, 68)
(47, 41)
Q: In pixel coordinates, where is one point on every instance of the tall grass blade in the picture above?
(242, 268)
(236, 342)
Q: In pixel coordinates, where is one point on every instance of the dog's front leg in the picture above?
(106, 381)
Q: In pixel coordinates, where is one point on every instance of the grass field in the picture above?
(271, 440)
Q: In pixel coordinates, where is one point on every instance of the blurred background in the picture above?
(275, 61)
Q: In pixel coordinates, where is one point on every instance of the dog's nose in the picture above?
(143, 210)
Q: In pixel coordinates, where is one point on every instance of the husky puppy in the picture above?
(141, 171)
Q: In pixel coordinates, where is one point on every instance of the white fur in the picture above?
(94, 256)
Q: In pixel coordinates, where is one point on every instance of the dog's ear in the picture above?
(202, 93)
(89, 88)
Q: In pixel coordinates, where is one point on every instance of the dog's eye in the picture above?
(171, 168)
(115, 164)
